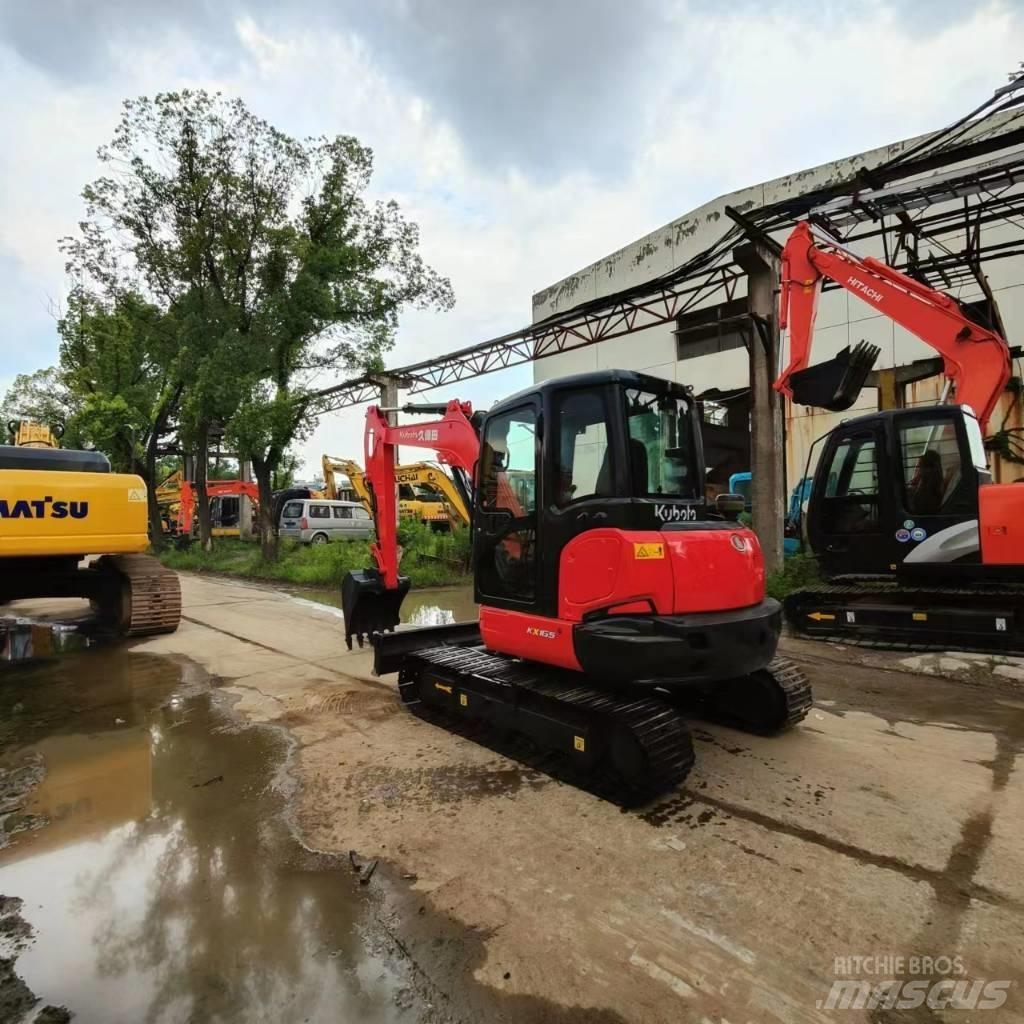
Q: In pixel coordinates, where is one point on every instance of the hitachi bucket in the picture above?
(836, 383)
(369, 607)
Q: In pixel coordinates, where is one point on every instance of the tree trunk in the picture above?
(202, 502)
(268, 528)
(160, 420)
(156, 524)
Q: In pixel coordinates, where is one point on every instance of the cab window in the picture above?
(508, 473)
(851, 488)
(661, 451)
(932, 467)
(585, 468)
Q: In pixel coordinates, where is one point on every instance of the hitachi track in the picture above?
(925, 618)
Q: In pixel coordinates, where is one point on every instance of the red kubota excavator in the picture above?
(920, 548)
(609, 594)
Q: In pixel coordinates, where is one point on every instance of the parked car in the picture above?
(319, 520)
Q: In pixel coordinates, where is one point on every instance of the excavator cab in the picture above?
(897, 491)
(615, 451)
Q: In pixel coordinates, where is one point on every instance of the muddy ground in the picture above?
(887, 826)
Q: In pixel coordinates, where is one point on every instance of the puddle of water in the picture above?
(155, 864)
(27, 640)
(434, 606)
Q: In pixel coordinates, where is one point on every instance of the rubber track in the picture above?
(657, 727)
(785, 674)
(885, 589)
(155, 595)
(797, 689)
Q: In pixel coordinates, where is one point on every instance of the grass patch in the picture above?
(797, 571)
(429, 559)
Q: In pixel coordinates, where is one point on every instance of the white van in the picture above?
(317, 520)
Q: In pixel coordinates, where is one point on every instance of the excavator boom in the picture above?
(371, 599)
(976, 359)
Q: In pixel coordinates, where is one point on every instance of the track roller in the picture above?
(139, 597)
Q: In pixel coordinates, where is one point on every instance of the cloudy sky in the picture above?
(527, 138)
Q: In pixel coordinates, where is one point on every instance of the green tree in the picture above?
(42, 397)
(263, 253)
(118, 358)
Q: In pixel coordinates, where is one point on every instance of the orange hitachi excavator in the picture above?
(920, 548)
(609, 592)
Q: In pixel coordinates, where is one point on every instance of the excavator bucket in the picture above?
(836, 383)
(369, 607)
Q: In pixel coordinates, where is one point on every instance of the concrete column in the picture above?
(244, 504)
(389, 400)
(767, 439)
(389, 397)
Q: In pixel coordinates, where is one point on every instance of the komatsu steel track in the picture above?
(148, 598)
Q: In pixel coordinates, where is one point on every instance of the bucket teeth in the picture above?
(369, 606)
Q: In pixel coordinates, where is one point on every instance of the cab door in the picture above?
(850, 510)
(505, 542)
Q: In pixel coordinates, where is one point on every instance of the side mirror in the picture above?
(729, 506)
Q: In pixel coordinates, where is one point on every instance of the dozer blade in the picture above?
(369, 607)
(836, 383)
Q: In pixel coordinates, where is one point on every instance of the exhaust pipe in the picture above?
(836, 383)
(368, 606)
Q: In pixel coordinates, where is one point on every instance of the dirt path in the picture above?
(888, 825)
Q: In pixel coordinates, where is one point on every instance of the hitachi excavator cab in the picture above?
(898, 492)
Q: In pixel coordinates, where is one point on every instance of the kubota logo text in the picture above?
(42, 508)
(675, 513)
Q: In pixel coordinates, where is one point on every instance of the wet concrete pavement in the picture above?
(888, 825)
(154, 860)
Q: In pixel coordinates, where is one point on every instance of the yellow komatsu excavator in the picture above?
(425, 492)
(59, 506)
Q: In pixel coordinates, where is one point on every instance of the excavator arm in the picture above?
(371, 599)
(976, 360)
(355, 476)
(214, 489)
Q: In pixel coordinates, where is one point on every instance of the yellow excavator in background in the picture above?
(56, 507)
(26, 434)
(425, 492)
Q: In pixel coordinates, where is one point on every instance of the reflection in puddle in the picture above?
(433, 606)
(25, 640)
(155, 867)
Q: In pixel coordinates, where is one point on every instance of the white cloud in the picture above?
(730, 97)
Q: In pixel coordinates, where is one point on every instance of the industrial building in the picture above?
(706, 346)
